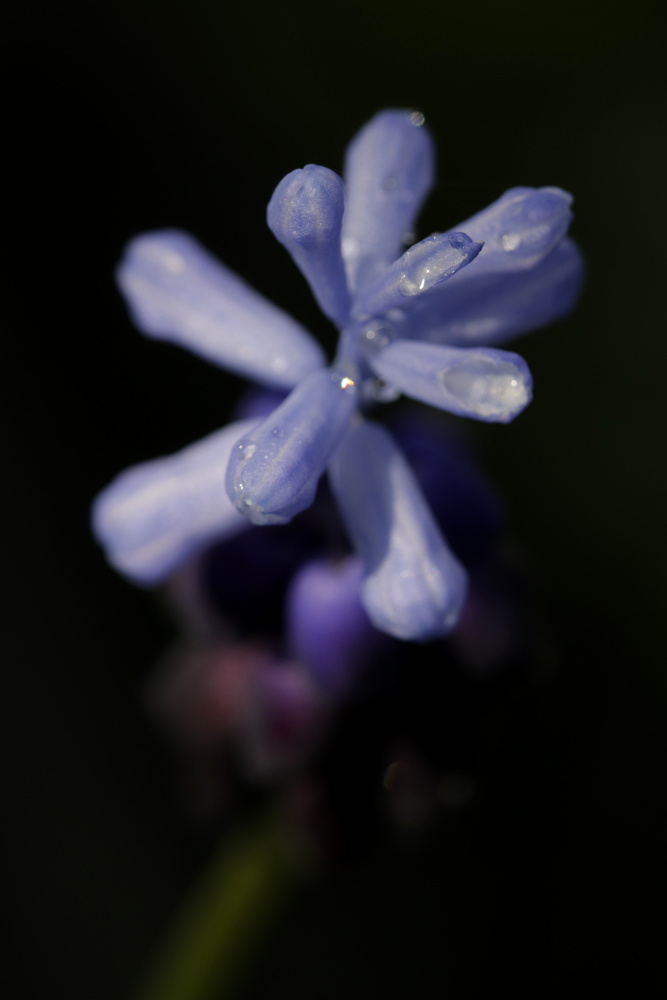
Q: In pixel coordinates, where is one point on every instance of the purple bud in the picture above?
(305, 214)
(329, 631)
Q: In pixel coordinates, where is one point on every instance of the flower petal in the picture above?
(389, 170)
(176, 291)
(420, 270)
(475, 382)
(413, 586)
(495, 307)
(274, 469)
(305, 214)
(519, 229)
(156, 515)
(329, 631)
(465, 504)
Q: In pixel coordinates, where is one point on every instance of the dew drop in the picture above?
(350, 247)
(377, 335)
(510, 241)
(377, 390)
(486, 387)
(396, 315)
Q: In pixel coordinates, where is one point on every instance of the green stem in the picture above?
(227, 911)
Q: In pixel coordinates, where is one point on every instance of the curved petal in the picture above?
(413, 586)
(305, 214)
(477, 382)
(519, 229)
(465, 504)
(156, 515)
(176, 291)
(496, 307)
(416, 273)
(274, 469)
(389, 170)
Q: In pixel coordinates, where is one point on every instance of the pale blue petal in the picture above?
(413, 587)
(274, 469)
(474, 382)
(156, 515)
(305, 214)
(519, 229)
(389, 170)
(177, 291)
(496, 307)
(420, 270)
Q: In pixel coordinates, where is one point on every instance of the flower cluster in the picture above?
(416, 323)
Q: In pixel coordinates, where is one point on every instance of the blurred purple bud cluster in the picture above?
(276, 645)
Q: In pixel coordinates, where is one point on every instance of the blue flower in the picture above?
(417, 323)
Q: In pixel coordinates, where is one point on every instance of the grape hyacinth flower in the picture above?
(418, 323)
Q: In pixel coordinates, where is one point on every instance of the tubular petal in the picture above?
(389, 170)
(176, 291)
(520, 228)
(305, 214)
(155, 515)
(475, 382)
(464, 503)
(274, 469)
(495, 307)
(413, 586)
(417, 272)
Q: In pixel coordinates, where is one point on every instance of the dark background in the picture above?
(125, 117)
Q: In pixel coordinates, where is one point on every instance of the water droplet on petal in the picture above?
(377, 335)
(350, 248)
(486, 387)
(510, 241)
(378, 390)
